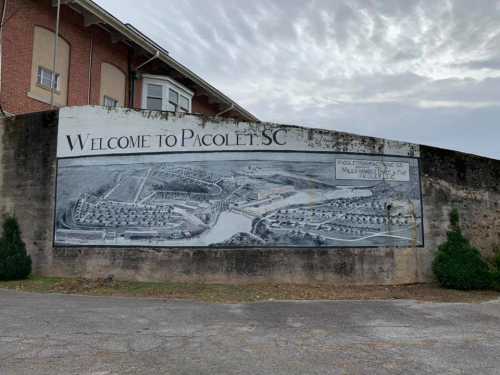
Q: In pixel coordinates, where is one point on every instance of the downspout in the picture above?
(4, 11)
(56, 40)
(131, 79)
(91, 55)
(132, 89)
(225, 110)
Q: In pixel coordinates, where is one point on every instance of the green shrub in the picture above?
(496, 261)
(458, 265)
(495, 275)
(15, 263)
(495, 279)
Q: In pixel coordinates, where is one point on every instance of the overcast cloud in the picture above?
(420, 71)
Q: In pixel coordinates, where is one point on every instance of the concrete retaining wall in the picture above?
(449, 179)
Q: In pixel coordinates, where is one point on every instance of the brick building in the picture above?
(100, 61)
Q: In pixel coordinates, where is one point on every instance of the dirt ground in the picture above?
(225, 293)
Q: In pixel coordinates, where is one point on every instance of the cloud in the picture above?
(418, 71)
(492, 63)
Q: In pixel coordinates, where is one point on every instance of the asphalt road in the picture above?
(57, 334)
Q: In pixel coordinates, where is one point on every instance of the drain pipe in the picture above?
(225, 110)
(130, 79)
(91, 54)
(54, 58)
(2, 24)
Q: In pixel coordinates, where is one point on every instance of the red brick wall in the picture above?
(138, 94)
(200, 104)
(22, 16)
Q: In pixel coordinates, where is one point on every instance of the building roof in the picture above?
(94, 14)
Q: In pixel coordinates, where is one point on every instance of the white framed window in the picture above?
(162, 93)
(47, 79)
(110, 102)
(154, 97)
(184, 104)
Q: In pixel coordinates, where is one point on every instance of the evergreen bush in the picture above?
(458, 265)
(495, 276)
(496, 259)
(496, 272)
(15, 263)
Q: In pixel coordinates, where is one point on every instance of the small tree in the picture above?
(15, 263)
(495, 275)
(458, 265)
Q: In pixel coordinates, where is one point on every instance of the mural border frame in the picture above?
(233, 247)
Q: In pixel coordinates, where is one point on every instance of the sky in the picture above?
(426, 71)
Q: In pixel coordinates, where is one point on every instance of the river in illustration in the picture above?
(227, 225)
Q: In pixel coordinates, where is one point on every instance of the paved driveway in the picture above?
(58, 334)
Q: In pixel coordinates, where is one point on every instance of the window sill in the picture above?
(46, 88)
(43, 99)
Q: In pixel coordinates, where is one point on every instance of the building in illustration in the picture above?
(100, 61)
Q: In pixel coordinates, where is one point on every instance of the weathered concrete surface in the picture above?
(469, 183)
(132, 122)
(28, 169)
(449, 179)
(56, 334)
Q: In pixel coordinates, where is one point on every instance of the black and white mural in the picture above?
(129, 179)
(239, 199)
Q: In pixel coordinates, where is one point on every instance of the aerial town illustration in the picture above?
(257, 201)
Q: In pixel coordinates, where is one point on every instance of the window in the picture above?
(177, 102)
(110, 102)
(165, 94)
(154, 97)
(184, 104)
(173, 100)
(47, 79)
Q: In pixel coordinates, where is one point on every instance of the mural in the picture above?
(239, 199)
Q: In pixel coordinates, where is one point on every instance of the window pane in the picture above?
(171, 107)
(173, 97)
(42, 77)
(47, 78)
(39, 76)
(56, 83)
(184, 103)
(153, 104)
(46, 81)
(155, 91)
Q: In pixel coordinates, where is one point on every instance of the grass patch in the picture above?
(230, 293)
